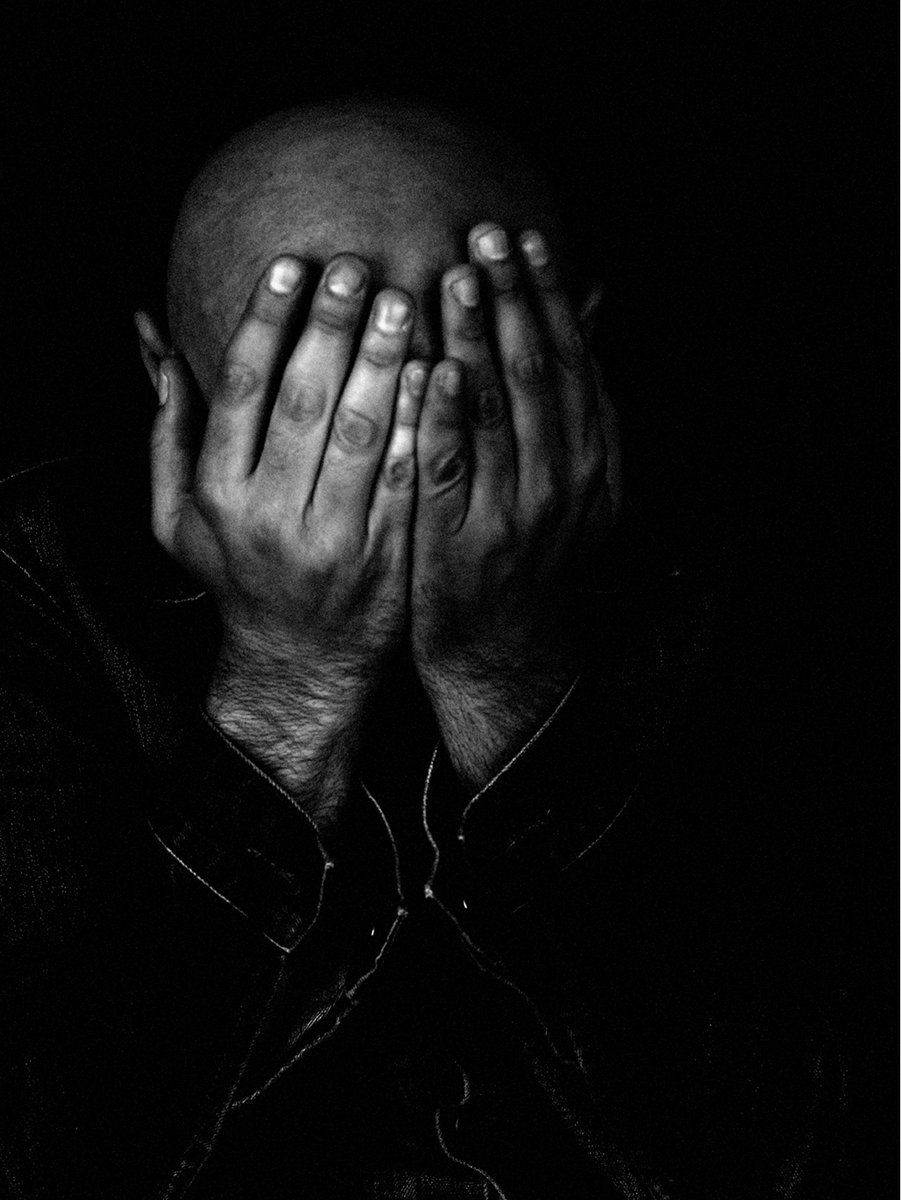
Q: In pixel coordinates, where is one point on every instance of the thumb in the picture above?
(171, 467)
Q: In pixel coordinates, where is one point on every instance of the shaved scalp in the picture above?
(397, 182)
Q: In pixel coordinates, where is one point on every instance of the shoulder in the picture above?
(75, 525)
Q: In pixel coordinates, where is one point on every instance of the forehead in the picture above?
(409, 229)
(398, 194)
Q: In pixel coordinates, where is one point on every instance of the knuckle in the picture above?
(400, 473)
(322, 552)
(212, 500)
(334, 316)
(529, 370)
(354, 429)
(380, 351)
(270, 310)
(469, 328)
(280, 449)
(265, 532)
(488, 408)
(446, 468)
(302, 403)
(237, 381)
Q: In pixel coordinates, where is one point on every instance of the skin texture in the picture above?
(514, 483)
(398, 185)
(341, 502)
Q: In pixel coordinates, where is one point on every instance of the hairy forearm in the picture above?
(301, 732)
(486, 715)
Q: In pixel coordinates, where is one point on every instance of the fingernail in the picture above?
(466, 291)
(493, 245)
(344, 280)
(284, 277)
(534, 247)
(391, 314)
(415, 378)
(162, 388)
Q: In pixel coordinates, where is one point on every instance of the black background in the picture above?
(727, 160)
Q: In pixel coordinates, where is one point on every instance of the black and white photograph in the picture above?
(446, 612)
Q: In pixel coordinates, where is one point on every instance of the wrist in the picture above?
(296, 729)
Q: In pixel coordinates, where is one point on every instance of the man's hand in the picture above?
(512, 479)
(296, 516)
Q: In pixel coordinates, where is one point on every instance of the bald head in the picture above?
(396, 183)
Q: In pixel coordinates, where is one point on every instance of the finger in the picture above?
(524, 364)
(313, 379)
(395, 488)
(465, 339)
(245, 378)
(363, 415)
(442, 453)
(170, 451)
(577, 400)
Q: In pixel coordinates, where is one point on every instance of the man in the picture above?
(334, 859)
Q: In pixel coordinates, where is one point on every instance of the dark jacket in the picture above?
(570, 986)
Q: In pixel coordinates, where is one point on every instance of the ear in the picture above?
(588, 310)
(154, 347)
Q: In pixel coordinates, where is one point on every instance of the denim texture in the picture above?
(565, 986)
